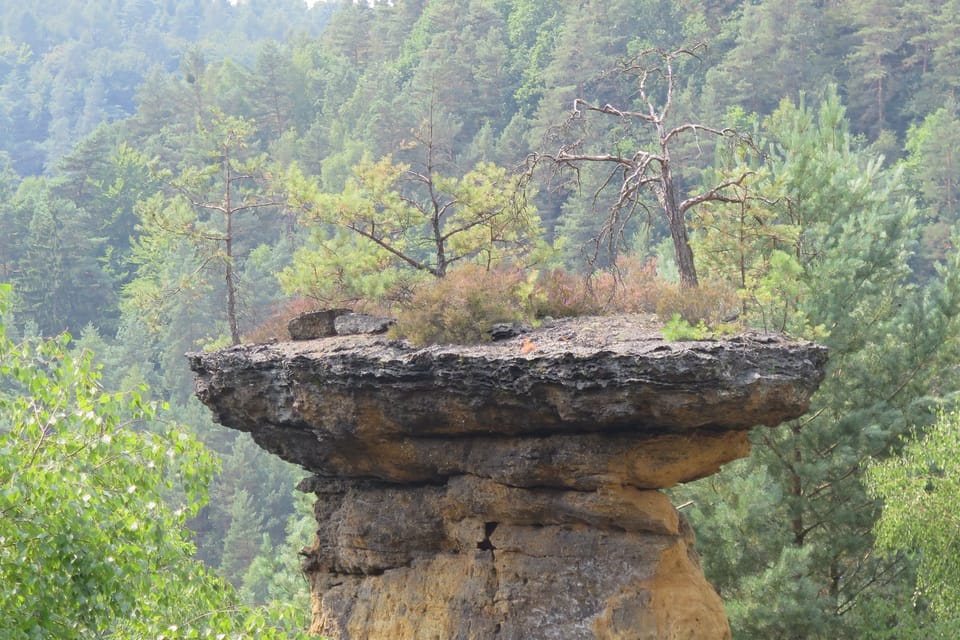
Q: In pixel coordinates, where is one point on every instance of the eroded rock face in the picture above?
(509, 490)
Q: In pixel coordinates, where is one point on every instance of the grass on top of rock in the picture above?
(462, 307)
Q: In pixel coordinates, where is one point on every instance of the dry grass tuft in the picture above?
(462, 307)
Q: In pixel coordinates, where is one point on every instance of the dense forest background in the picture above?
(177, 175)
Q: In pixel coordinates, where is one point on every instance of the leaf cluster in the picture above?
(95, 492)
(920, 487)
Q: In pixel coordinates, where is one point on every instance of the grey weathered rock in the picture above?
(350, 406)
(506, 330)
(509, 489)
(350, 324)
(315, 324)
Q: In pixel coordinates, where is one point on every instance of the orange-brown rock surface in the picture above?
(509, 490)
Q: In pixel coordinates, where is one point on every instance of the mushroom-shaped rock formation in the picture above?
(509, 490)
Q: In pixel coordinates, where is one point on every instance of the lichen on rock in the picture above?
(510, 489)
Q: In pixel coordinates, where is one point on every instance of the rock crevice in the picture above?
(508, 491)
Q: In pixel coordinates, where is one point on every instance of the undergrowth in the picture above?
(462, 307)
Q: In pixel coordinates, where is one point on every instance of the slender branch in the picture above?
(386, 245)
(689, 126)
(563, 156)
(715, 195)
(212, 206)
(655, 74)
(779, 454)
(470, 225)
(611, 110)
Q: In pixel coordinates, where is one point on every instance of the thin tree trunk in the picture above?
(683, 253)
(231, 293)
(228, 248)
(796, 491)
(678, 230)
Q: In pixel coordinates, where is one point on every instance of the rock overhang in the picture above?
(371, 406)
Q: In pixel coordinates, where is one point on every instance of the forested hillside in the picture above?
(186, 174)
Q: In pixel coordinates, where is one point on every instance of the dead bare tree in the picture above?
(651, 169)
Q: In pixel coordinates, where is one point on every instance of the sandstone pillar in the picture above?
(494, 491)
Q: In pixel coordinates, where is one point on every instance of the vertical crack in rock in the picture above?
(556, 455)
(485, 544)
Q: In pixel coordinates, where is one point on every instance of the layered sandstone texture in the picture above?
(510, 490)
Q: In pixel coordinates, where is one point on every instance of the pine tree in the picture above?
(873, 61)
(13, 220)
(206, 219)
(275, 574)
(789, 37)
(242, 542)
(844, 280)
(62, 284)
(931, 166)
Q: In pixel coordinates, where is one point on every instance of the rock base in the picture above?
(475, 559)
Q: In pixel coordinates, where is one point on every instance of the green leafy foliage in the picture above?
(398, 217)
(342, 268)
(819, 240)
(275, 575)
(202, 221)
(844, 280)
(920, 487)
(92, 537)
(679, 329)
(931, 164)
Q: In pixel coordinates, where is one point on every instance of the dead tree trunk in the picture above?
(650, 171)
